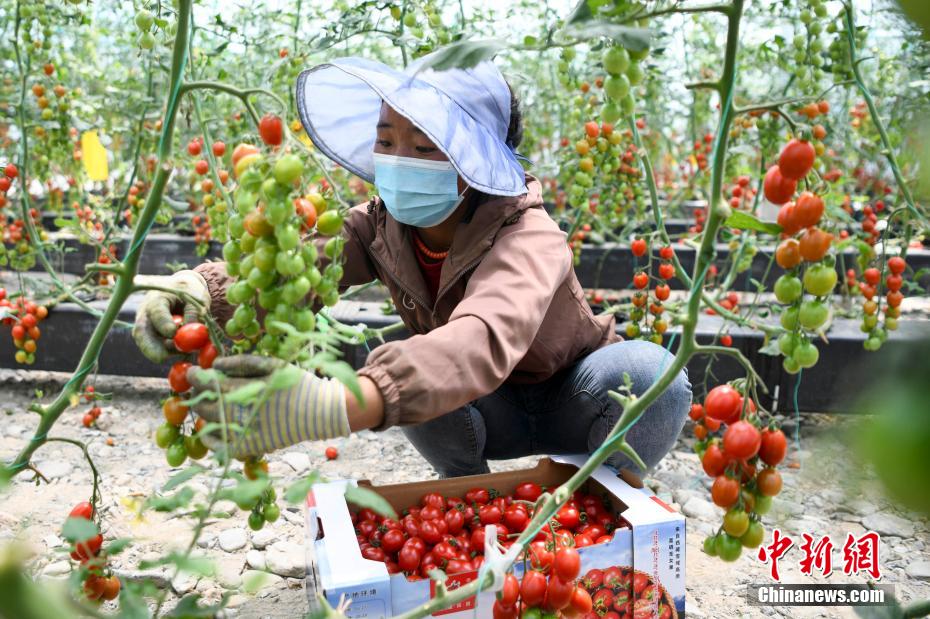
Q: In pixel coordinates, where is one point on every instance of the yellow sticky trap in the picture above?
(95, 156)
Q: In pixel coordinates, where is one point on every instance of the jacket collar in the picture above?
(473, 238)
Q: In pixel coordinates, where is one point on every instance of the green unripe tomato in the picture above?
(144, 19)
(256, 521)
(271, 512)
(250, 180)
(239, 293)
(246, 241)
(269, 299)
(236, 227)
(787, 343)
(195, 447)
(790, 365)
(610, 113)
(762, 505)
(627, 105)
(147, 41)
(728, 547)
(252, 329)
(789, 318)
(287, 169)
(632, 330)
(278, 211)
(617, 86)
(616, 60)
(819, 280)
(245, 200)
(635, 74)
(334, 272)
(329, 223)
(813, 315)
(869, 322)
(287, 236)
(259, 279)
(315, 277)
(331, 298)
(166, 434)
(231, 252)
(710, 545)
(309, 253)
(264, 258)
(754, 535)
(410, 20)
(806, 354)
(176, 454)
(788, 289)
(304, 320)
(736, 521)
(333, 247)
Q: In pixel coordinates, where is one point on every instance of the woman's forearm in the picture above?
(371, 413)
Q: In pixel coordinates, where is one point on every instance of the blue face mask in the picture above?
(417, 192)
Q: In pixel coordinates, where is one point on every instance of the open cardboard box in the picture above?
(653, 547)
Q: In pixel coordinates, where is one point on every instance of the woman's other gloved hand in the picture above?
(311, 409)
(154, 327)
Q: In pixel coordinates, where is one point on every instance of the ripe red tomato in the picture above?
(516, 517)
(392, 540)
(271, 130)
(638, 247)
(773, 447)
(725, 491)
(666, 270)
(808, 210)
(207, 355)
(568, 517)
(87, 549)
(94, 586)
(527, 491)
(201, 167)
(581, 602)
(219, 148)
(191, 337)
(489, 514)
(193, 147)
(741, 440)
(409, 556)
(796, 159)
(666, 252)
(510, 591)
(500, 611)
(567, 564)
(477, 495)
(696, 412)
(533, 588)
(82, 510)
(777, 188)
(540, 555)
(559, 592)
(896, 265)
(111, 588)
(593, 579)
(332, 453)
(722, 403)
(641, 280)
(714, 461)
(11, 171)
(177, 377)
(769, 482)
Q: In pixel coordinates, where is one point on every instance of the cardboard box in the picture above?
(650, 555)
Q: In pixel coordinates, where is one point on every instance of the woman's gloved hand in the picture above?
(154, 327)
(311, 409)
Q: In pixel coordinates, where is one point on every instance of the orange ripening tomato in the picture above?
(788, 254)
(808, 210)
(787, 219)
(814, 244)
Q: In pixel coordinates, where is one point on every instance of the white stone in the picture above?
(699, 508)
(255, 559)
(256, 580)
(296, 518)
(53, 469)
(228, 573)
(58, 568)
(263, 538)
(888, 524)
(52, 541)
(234, 539)
(184, 583)
(297, 460)
(918, 569)
(286, 560)
(207, 539)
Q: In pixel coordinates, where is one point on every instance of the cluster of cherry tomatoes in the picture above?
(448, 532)
(91, 416)
(742, 464)
(872, 279)
(97, 585)
(553, 592)
(620, 592)
(191, 338)
(10, 172)
(643, 304)
(135, 198)
(741, 194)
(212, 201)
(23, 318)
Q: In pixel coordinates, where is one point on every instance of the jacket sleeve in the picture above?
(488, 333)
(358, 230)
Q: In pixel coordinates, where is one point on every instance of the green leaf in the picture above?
(246, 491)
(366, 497)
(343, 372)
(179, 478)
(297, 492)
(285, 377)
(771, 348)
(78, 529)
(462, 54)
(635, 39)
(746, 221)
(170, 503)
(118, 545)
(245, 394)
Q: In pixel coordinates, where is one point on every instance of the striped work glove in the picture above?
(311, 409)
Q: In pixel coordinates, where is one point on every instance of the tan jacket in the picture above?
(509, 306)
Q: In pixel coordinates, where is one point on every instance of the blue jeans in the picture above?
(569, 413)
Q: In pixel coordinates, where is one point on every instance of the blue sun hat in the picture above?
(465, 112)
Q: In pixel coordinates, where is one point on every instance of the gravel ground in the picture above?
(825, 494)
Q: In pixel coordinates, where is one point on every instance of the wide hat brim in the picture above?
(339, 104)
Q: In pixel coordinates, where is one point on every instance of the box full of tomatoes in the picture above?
(623, 547)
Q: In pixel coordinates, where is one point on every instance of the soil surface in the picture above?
(827, 493)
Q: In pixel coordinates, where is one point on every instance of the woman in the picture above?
(505, 357)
